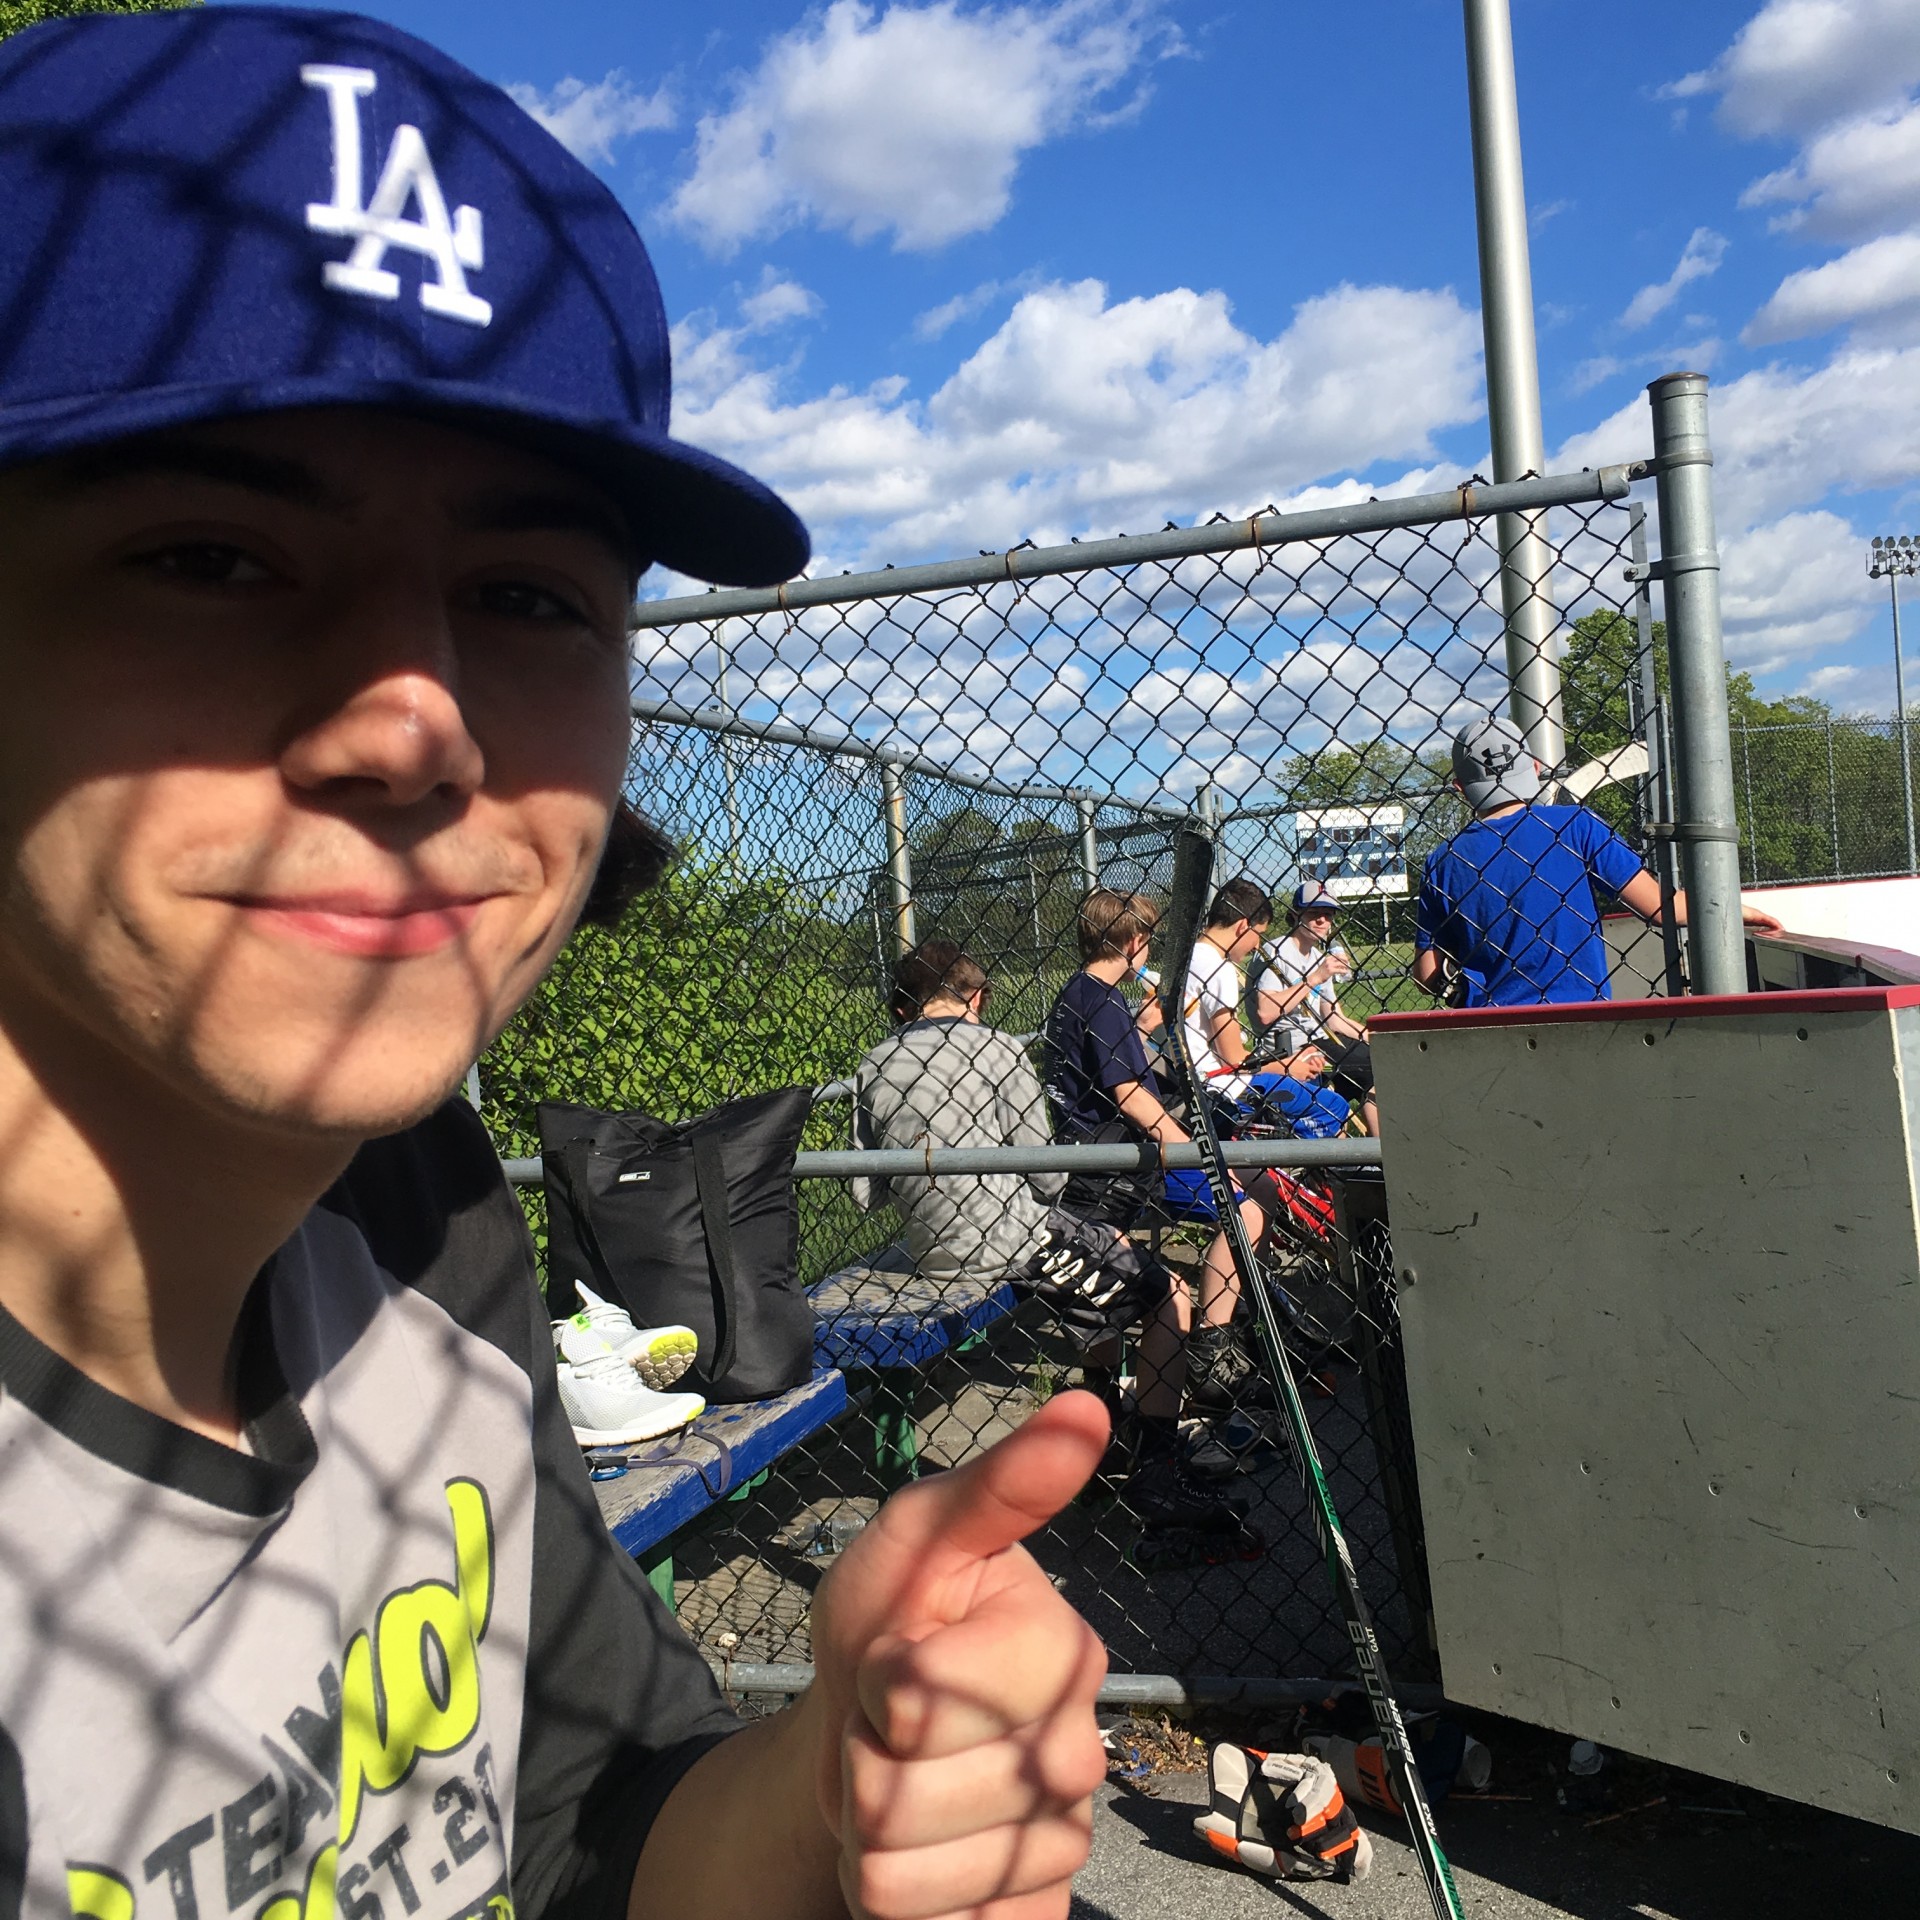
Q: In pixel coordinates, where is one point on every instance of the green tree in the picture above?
(15, 15)
(713, 986)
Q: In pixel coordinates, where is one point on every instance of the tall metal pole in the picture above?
(1089, 843)
(1513, 376)
(1900, 712)
(1705, 823)
(893, 796)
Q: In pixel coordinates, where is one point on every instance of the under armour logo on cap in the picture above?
(1493, 763)
(451, 245)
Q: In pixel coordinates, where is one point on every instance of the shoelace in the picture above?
(607, 1317)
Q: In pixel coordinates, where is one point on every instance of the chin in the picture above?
(353, 1099)
(339, 1080)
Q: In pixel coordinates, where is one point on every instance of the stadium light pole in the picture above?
(1891, 557)
(1513, 376)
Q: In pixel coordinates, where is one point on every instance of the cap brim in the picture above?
(689, 509)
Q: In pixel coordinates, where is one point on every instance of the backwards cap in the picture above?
(241, 209)
(1494, 764)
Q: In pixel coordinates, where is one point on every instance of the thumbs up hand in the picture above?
(959, 1752)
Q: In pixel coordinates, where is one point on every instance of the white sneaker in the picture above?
(607, 1405)
(659, 1355)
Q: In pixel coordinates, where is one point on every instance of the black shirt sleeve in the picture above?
(619, 1703)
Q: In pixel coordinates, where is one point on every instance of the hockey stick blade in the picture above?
(1192, 878)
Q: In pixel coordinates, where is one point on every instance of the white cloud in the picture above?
(1592, 373)
(909, 119)
(1698, 354)
(1875, 283)
(1791, 587)
(1851, 181)
(776, 302)
(948, 314)
(587, 120)
(1784, 437)
(1798, 64)
(1700, 257)
(1079, 414)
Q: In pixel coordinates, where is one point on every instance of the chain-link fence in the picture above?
(855, 768)
(1825, 799)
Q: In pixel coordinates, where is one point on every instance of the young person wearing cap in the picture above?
(1293, 999)
(1509, 899)
(333, 435)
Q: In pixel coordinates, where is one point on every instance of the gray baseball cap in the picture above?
(1494, 765)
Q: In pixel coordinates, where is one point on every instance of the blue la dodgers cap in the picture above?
(241, 209)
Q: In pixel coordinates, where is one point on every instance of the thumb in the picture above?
(939, 1528)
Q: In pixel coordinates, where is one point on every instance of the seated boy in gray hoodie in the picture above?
(944, 1078)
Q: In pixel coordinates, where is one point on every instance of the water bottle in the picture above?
(1587, 1784)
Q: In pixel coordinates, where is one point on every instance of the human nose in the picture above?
(387, 715)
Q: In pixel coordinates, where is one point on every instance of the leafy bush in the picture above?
(716, 985)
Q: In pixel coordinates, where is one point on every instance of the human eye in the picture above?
(527, 600)
(203, 563)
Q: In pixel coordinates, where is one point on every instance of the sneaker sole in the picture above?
(662, 1421)
(664, 1358)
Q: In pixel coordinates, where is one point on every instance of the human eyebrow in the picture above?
(271, 474)
(550, 510)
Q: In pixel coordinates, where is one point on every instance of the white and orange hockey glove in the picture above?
(1282, 1814)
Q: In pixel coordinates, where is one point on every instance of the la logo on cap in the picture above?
(452, 244)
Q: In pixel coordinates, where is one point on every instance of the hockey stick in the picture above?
(1192, 881)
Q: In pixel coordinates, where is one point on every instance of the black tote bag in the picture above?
(690, 1223)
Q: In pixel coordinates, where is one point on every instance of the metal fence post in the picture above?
(893, 797)
(1900, 720)
(1706, 825)
(1833, 798)
(1513, 376)
(1089, 844)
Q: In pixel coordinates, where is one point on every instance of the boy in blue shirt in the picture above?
(1509, 899)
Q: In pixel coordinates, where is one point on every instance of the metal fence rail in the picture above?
(854, 765)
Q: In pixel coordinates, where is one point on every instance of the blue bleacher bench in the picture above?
(879, 1322)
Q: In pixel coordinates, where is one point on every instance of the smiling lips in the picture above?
(367, 927)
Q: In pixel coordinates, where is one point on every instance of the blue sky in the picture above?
(959, 274)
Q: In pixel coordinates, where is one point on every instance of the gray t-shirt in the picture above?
(384, 1660)
(956, 1083)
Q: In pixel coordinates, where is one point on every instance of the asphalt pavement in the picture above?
(1522, 1858)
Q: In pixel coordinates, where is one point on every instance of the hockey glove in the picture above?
(1282, 1814)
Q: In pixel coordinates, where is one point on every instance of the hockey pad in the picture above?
(1283, 1815)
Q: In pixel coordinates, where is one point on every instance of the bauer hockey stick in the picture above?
(1192, 883)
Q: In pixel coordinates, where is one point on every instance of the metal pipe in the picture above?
(1184, 1693)
(893, 795)
(1089, 844)
(669, 713)
(845, 1164)
(1658, 770)
(1513, 376)
(1900, 718)
(1705, 822)
(1174, 543)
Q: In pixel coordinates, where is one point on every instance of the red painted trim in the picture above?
(1691, 1007)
